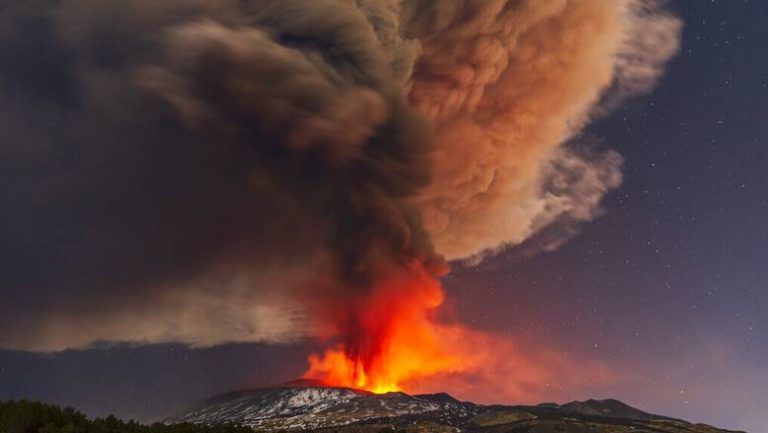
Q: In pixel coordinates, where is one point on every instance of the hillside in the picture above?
(321, 409)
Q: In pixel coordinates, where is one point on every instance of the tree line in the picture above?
(24, 416)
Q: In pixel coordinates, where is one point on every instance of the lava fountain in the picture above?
(393, 336)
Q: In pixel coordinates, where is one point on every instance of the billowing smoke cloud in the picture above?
(202, 171)
(507, 84)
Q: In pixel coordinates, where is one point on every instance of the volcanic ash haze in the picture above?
(266, 170)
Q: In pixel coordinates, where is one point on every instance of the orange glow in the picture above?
(392, 337)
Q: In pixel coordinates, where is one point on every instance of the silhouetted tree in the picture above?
(24, 416)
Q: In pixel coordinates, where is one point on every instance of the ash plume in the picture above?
(205, 171)
(507, 83)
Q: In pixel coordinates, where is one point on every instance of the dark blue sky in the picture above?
(671, 284)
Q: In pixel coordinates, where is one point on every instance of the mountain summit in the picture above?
(313, 408)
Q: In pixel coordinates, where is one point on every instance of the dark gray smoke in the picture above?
(202, 170)
(148, 143)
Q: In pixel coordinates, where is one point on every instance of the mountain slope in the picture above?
(348, 410)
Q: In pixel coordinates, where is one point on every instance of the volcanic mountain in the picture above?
(327, 409)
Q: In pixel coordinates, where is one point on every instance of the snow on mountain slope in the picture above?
(292, 408)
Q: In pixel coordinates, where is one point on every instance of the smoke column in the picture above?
(223, 171)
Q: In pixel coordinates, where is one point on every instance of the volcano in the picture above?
(306, 407)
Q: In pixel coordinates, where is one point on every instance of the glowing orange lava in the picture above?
(392, 337)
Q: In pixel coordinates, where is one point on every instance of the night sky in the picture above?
(669, 286)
